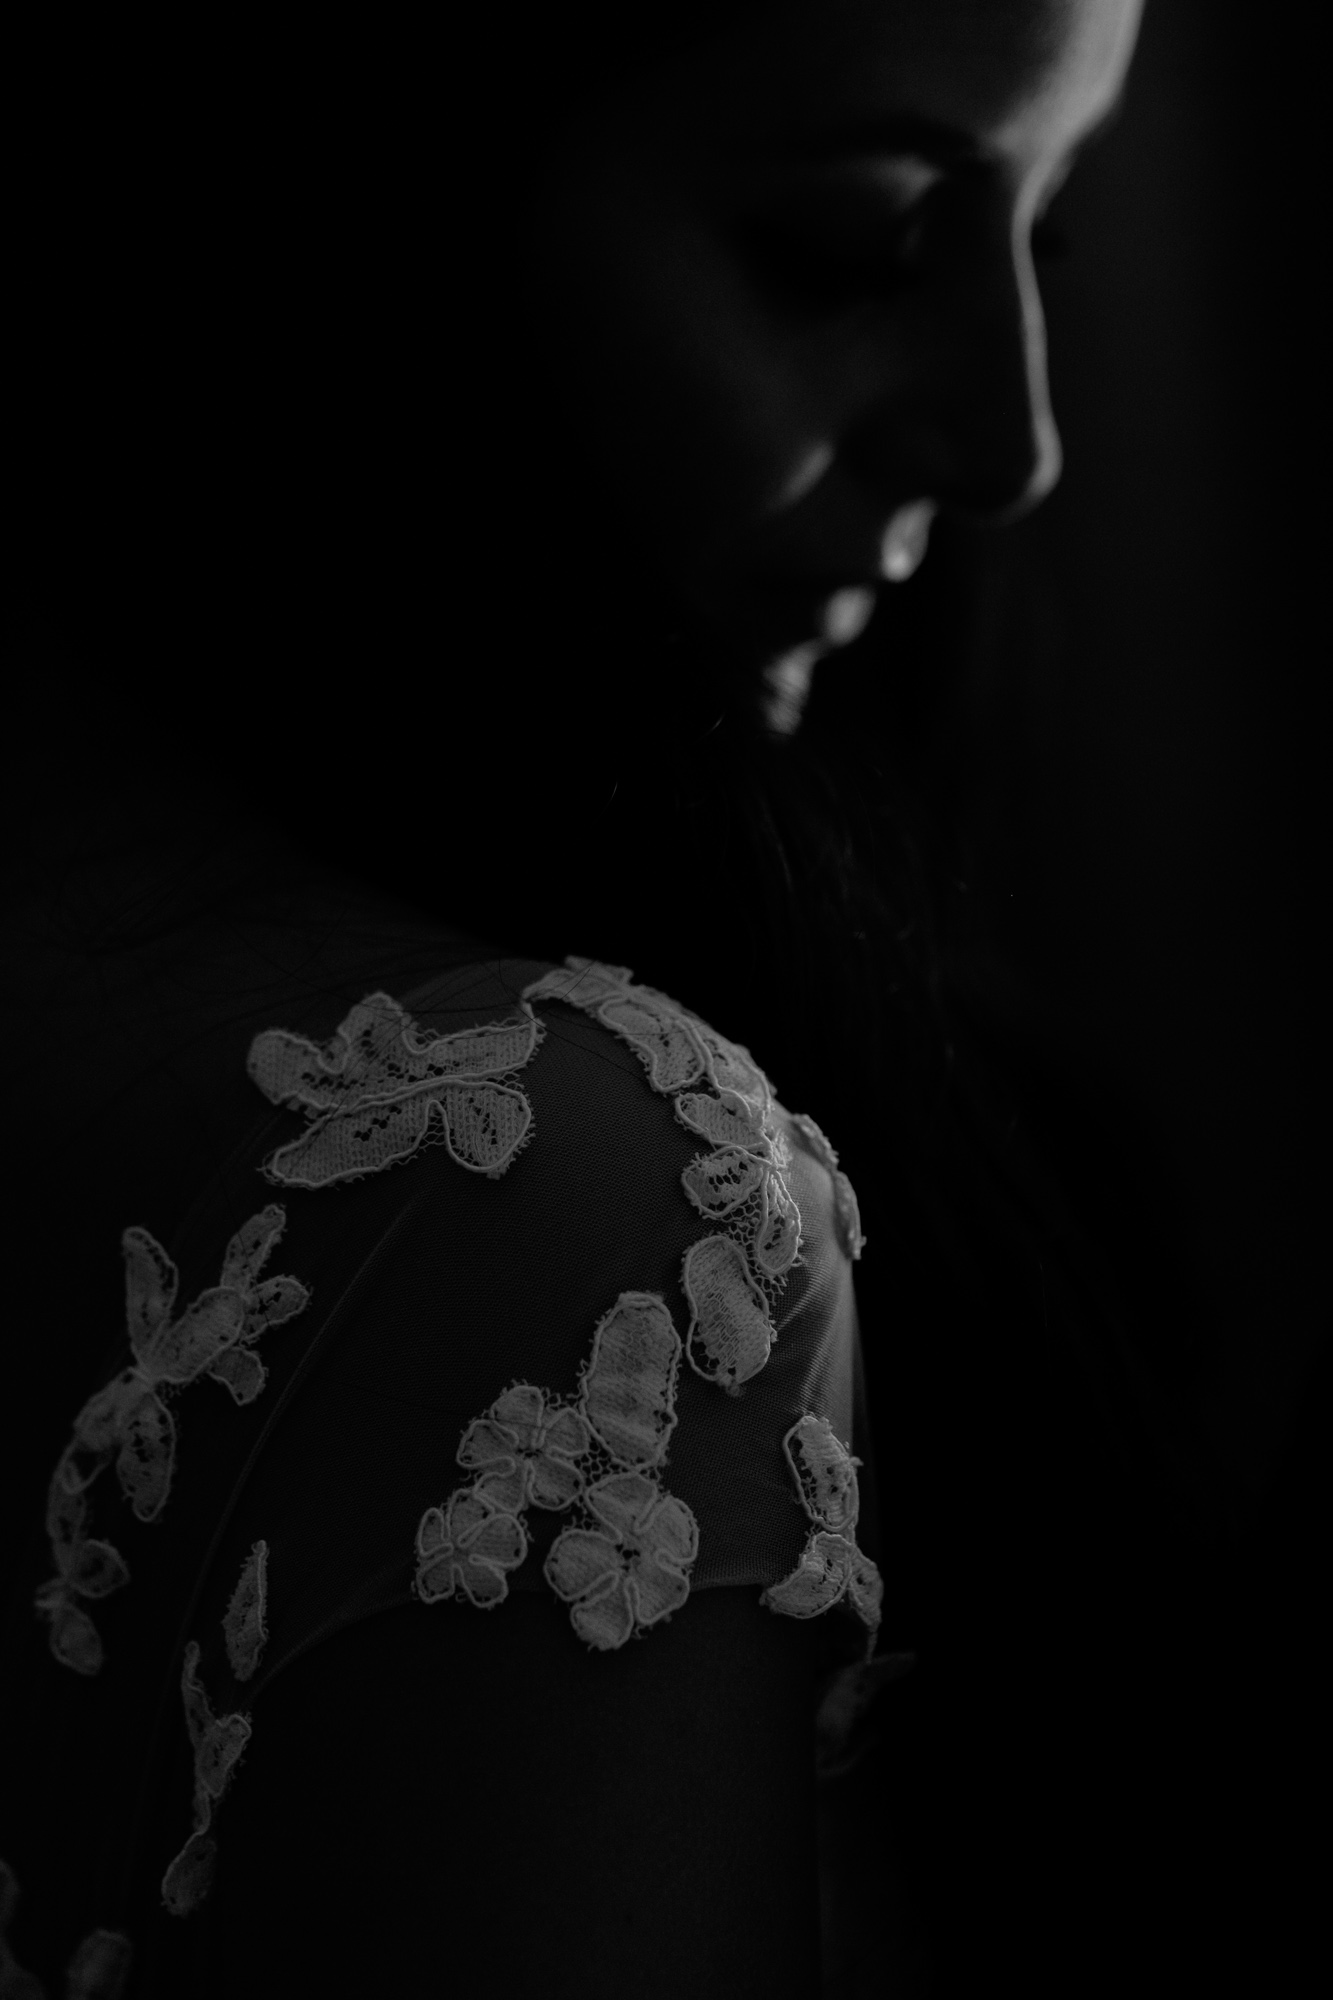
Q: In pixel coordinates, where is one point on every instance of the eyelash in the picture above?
(800, 263)
(803, 266)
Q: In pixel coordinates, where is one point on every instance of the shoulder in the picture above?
(543, 1196)
(562, 1309)
(478, 1055)
(609, 1140)
(718, 1094)
(548, 1243)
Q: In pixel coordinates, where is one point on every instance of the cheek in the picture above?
(707, 415)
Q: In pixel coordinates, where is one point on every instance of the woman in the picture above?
(522, 481)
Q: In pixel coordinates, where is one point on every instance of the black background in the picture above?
(1150, 846)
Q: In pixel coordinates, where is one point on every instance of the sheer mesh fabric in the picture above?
(449, 1317)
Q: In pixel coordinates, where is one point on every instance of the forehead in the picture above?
(1019, 77)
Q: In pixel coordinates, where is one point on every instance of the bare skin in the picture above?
(787, 287)
(795, 286)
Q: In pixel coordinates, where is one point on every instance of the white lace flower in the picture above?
(466, 1547)
(218, 1742)
(129, 1421)
(526, 1450)
(719, 1092)
(632, 1572)
(381, 1088)
(831, 1568)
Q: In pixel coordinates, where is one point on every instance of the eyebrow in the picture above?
(906, 133)
(895, 132)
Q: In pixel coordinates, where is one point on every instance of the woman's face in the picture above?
(789, 284)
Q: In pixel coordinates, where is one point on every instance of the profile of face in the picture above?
(787, 277)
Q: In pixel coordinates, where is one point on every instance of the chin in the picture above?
(785, 689)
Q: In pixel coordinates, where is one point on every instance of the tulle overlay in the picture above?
(565, 1306)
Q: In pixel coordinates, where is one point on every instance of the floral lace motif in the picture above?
(831, 1568)
(847, 1213)
(632, 1572)
(628, 1388)
(245, 1626)
(100, 1967)
(381, 1089)
(130, 1421)
(626, 1566)
(465, 1547)
(733, 1278)
(730, 1331)
(218, 1742)
(527, 1450)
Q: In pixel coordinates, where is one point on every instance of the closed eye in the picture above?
(856, 236)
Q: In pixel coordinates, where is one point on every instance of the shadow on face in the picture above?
(559, 336)
(787, 291)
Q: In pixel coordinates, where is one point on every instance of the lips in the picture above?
(780, 608)
(905, 541)
(822, 611)
(847, 613)
(838, 608)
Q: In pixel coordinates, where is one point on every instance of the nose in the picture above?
(966, 415)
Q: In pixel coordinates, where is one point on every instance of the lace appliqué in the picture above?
(218, 1742)
(831, 1569)
(527, 1449)
(98, 1969)
(634, 1569)
(731, 1333)
(626, 1566)
(245, 1626)
(130, 1421)
(846, 1210)
(734, 1278)
(381, 1089)
(628, 1387)
(466, 1548)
